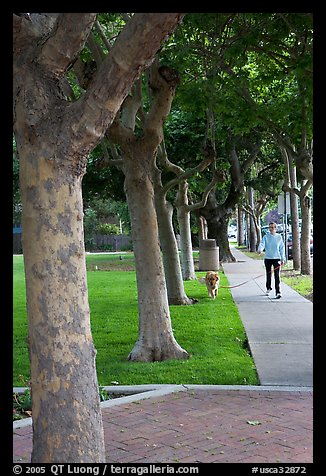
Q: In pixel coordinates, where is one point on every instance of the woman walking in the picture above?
(274, 258)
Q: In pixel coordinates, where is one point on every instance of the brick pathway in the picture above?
(204, 426)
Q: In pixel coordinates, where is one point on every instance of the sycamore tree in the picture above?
(240, 154)
(145, 108)
(54, 135)
(206, 94)
(274, 78)
(137, 133)
(138, 150)
(254, 70)
(265, 179)
(133, 139)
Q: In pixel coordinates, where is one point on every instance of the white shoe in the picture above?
(268, 291)
(278, 296)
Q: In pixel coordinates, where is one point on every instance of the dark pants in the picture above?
(275, 263)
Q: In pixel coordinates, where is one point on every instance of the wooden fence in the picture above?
(99, 243)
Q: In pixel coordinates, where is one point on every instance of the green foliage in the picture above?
(108, 229)
(22, 405)
(253, 71)
(74, 84)
(104, 395)
(97, 219)
(268, 175)
(91, 224)
(220, 55)
(22, 402)
(102, 182)
(184, 134)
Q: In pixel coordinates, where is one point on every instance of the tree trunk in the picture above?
(247, 220)
(240, 226)
(155, 336)
(202, 227)
(181, 203)
(218, 215)
(59, 335)
(252, 228)
(296, 253)
(217, 219)
(256, 220)
(219, 230)
(187, 260)
(306, 267)
(290, 185)
(170, 252)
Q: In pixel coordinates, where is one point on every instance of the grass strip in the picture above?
(210, 330)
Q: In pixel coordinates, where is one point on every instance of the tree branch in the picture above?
(200, 168)
(25, 33)
(165, 162)
(96, 50)
(163, 82)
(90, 116)
(106, 161)
(57, 54)
(131, 105)
(251, 159)
(119, 133)
(218, 177)
(287, 188)
(305, 187)
(102, 35)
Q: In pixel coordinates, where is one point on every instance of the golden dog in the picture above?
(212, 282)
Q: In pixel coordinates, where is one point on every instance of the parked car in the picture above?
(289, 246)
(232, 234)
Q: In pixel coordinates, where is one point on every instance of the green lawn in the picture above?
(211, 331)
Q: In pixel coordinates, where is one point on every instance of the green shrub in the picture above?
(108, 229)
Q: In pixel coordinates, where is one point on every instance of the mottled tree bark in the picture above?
(240, 221)
(67, 422)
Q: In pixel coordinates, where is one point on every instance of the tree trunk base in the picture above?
(228, 258)
(190, 278)
(144, 353)
(185, 301)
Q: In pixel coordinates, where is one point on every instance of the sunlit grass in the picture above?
(210, 330)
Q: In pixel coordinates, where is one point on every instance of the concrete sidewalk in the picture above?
(279, 331)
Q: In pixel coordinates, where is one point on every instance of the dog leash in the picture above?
(245, 282)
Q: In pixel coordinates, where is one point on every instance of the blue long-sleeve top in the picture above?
(273, 246)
